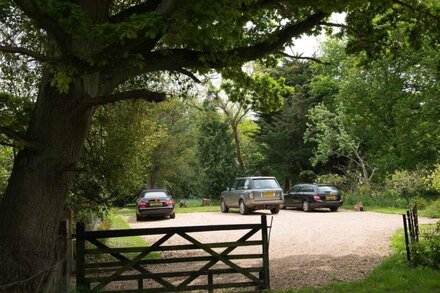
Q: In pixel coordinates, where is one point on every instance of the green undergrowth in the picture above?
(117, 222)
(393, 275)
(390, 203)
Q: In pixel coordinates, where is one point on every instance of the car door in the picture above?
(238, 192)
(289, 197)
(297, 196)
(235, 193)
(307, 192)
(229, 195)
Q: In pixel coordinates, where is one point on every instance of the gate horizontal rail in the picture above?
(94, 274)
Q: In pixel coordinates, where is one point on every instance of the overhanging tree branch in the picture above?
(24, 51)
(174, 59)
(304, 58)
(340, 25)
(415, 9)
(16, 136)
(143, 41)
(189, 74)
(140, 94)
(44, 21)
(145, 7)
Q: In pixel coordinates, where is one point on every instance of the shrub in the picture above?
(434, 178)
(422, 203)
(407, 183)
(334, 179)
(433, 210)
(387, 198)
(426, 252)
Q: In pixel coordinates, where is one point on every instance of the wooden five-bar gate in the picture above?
(96, 273)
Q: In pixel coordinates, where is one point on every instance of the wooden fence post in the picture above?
(265, 252)
(80, 257)
(405, 228)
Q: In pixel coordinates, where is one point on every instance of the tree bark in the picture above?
(42, 173)
(238, 147)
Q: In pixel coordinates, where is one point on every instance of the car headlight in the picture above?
(251, 195)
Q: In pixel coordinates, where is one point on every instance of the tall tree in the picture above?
(390, 105)
(216, 154)
(86, 52)
(280, 135)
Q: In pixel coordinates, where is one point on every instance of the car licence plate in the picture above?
(268, 194)
(155, 204)
(330, 197)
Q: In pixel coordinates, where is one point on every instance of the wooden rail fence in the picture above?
(95, 274)
(411, 229)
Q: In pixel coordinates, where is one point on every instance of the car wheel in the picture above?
(333, 209)
(138, 218)
(306, 206)
(275, 210)
(173, 215)
(224, 208)
(244, 210)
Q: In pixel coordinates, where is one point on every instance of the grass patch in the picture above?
(198, 209)
(132, 241)
(393, 204)
(385, 210)
(393, 275)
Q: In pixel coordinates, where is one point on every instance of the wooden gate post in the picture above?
(80, 257)
(266, 275)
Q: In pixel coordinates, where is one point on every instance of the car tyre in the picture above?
(224, 208)
(244, 210)
(173, 215)
(139, 218)
(275, 210)
(306, 207)
(333, 209)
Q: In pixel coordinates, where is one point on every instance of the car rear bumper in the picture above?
(263, 204)
(326, 204)
(155, 212)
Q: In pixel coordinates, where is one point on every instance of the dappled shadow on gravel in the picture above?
(298, 271)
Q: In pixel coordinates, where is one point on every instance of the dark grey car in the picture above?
(312, 196)
(253, 193)
(154, 203)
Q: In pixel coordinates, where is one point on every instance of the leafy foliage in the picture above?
(216, 154)
(280, 135)
(426, 252)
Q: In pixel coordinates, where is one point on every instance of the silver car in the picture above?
(253, 193)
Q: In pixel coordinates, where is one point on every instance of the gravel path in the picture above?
(306, 249)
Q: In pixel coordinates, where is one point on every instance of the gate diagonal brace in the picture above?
(219, 257)
(133, 263)
(139, 268)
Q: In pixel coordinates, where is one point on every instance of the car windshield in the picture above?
(155, 194)
(265, 184)
(327, 189)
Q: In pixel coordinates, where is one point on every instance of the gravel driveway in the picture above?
(306, 249)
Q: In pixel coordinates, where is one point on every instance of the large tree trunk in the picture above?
(238, 149)
(43, 170)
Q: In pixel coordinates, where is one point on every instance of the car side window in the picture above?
(295, 189)
(240, 184)
(246, 184)
(234, 186)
